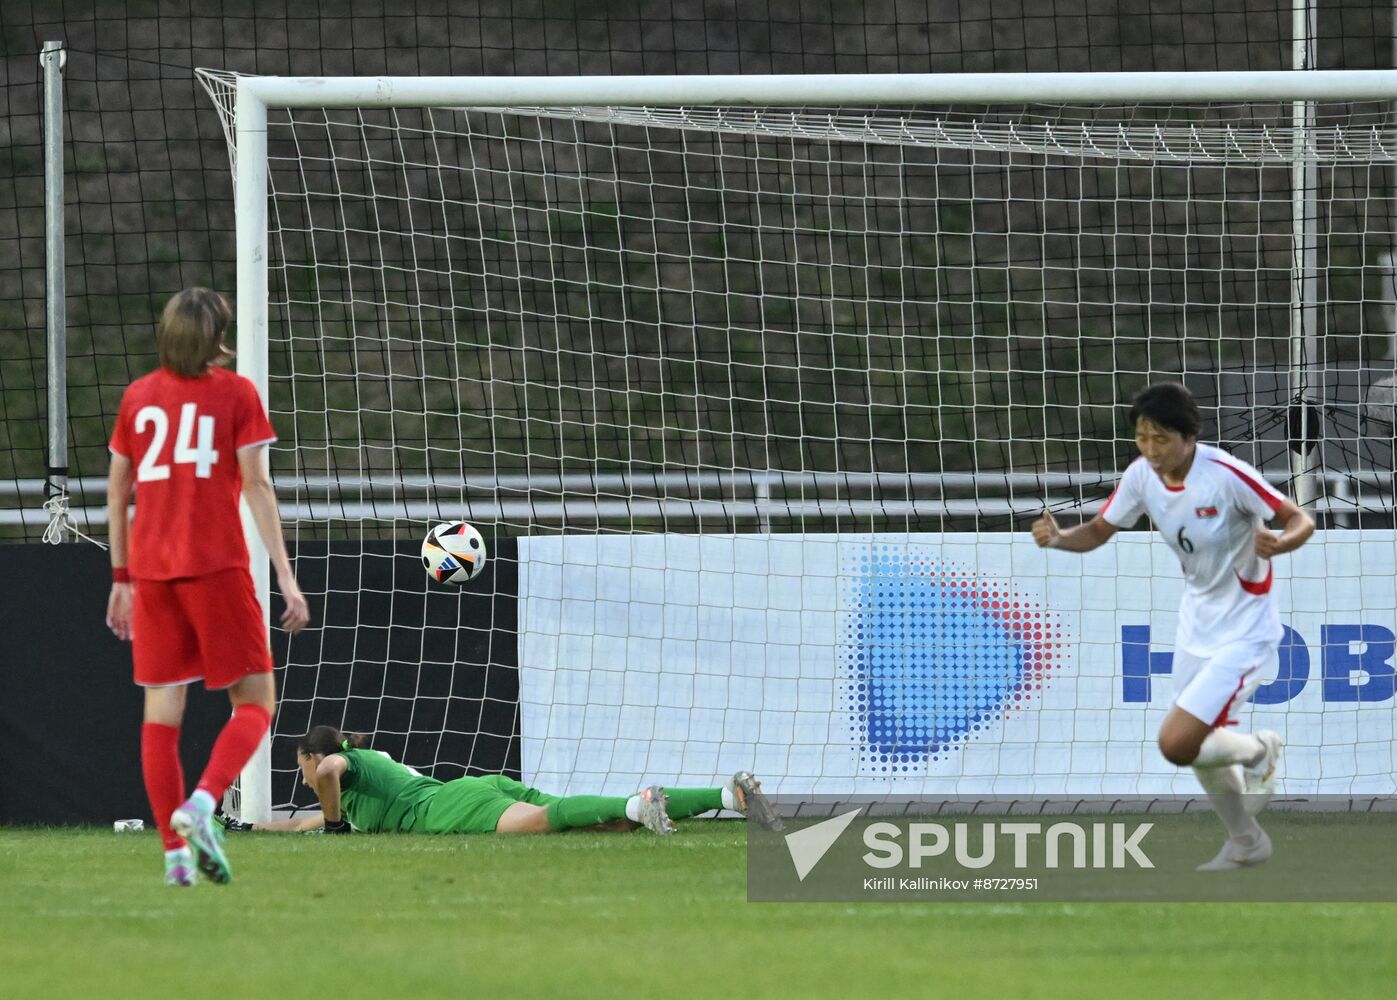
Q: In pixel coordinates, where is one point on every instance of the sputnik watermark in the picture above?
(808, 846)
(985, 849)
(976, 846)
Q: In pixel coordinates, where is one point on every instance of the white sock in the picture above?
(203, 800)
(179, 854)
(1223, 747)
(1224, 786)
(633, 809)
(729, 798)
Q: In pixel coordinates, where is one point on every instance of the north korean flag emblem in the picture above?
(1205, 511)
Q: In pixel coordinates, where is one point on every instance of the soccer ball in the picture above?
(453, 553)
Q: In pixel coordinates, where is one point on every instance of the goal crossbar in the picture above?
(864, 88)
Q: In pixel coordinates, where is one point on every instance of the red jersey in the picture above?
(183, 434)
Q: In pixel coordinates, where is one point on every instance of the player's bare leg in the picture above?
(1190, 742)
(522, 817)
(1220, 758)
(600, 813)
(611, 826)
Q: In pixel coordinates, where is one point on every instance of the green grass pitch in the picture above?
(83, 914)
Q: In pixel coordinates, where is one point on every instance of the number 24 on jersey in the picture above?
(188, 451)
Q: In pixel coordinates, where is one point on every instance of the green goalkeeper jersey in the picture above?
(379, 795)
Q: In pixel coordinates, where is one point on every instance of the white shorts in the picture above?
(1212, 688)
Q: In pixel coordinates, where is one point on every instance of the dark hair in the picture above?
(189, 337)
(327, 740)
(1169, 405)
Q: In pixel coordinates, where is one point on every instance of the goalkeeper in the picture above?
(372, 793)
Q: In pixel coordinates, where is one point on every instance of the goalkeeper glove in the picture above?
(229, 823)
(340, 825)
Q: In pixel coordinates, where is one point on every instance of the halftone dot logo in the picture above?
(935, 654)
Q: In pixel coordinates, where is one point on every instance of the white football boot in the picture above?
(1261, 778)
(1233, 855)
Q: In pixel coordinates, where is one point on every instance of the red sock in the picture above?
(164, 777)
(234, 748)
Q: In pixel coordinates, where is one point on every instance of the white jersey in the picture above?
(1210, 523)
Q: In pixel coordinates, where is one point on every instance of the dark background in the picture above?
(431, 673)
(150, 211)
(150, 206)
(70, 718)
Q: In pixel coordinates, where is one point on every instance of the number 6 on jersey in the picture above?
(202, 455)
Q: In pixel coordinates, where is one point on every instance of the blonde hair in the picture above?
(190, 335)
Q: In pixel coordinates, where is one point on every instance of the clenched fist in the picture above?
(1267, 544)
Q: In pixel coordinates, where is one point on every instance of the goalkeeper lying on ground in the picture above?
(372, 793)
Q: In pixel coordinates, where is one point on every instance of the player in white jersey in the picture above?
(1211, 509)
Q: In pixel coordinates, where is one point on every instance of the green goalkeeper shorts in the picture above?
(475, 805)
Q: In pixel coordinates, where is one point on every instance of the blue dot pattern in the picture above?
(929, 665)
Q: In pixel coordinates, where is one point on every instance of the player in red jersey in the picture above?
(1212, 510)
(190, 437)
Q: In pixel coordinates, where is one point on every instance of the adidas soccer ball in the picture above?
(453, 553)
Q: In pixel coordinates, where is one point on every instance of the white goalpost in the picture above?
(753, 383)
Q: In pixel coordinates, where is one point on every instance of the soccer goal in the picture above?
(752, 385)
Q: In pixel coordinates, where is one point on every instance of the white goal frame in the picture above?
(255, 95)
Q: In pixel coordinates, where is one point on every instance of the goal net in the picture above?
(754, 405)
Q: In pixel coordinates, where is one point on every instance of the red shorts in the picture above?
(200, 627)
